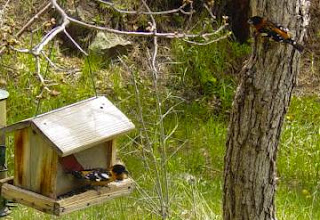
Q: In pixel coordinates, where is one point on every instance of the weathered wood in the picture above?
(35, 163)
(26, 123)
(259, 107)
(99, 153)
(68, 204)
(27, 198)
(111, 153)
(82, 126)
(22, 157)
(43, 166)
(17, 126)
(45, 138)
(94, 197)
(86, 130)
(79, 126)
(6, 180)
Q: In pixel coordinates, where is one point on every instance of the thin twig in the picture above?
(140, 111)
(29, 23)
(142, 34)
(209, 11)
(56, 67)
(180, 9)
(176, 150)
(75, 43)
(37, 49)
(164, 197)
(209, 42)
(33, 19)
(67, 20)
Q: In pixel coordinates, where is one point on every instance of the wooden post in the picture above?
(3, 169)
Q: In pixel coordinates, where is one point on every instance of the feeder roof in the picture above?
(79, 126)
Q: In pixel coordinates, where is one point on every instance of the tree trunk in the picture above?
(259, 107)
(238, 11)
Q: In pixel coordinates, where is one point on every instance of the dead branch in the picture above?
(143, 34)
(67, 20)
(200, 38)
(33, 19)
(37, 49)
(75, 43)
(180, 9)
(208, 42)
(209, 11)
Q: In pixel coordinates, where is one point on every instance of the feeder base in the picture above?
(65, 205)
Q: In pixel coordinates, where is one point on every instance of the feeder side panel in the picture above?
(95, 157)
(43, 165)
(22, 158)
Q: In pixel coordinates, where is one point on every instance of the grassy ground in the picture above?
(195, 150)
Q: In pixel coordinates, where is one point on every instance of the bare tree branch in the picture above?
(75, 43)
(37, 49)
(67, 20)
(143, 34)
(209, 11)
(208, 42)
(180, 9)
(33, 19)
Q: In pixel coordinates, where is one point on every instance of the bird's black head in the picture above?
(255, 20)
(119, 168)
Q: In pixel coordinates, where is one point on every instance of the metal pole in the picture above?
(4, 210)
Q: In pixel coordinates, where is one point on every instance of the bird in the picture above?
(93, 175)
(101, 176)
(119, 172)
(276, 32)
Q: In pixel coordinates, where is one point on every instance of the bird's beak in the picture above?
(250, 21)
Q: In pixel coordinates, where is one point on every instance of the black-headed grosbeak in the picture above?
(274, 31)
(119, 172)
(97, 176)
(100, 176)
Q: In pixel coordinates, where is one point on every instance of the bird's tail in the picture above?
(296, 46)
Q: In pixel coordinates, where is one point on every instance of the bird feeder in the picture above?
(47, 146)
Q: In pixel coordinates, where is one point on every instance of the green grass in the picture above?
(196, 148)
(300, 145)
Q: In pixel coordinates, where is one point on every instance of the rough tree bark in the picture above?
(259, 107)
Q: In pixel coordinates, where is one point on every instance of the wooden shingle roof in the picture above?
(79, 126)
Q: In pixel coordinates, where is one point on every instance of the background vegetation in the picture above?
(196, 88)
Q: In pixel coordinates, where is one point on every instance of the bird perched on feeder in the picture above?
(100, 176)
(119, 172)
(94, 176)
(274, 31)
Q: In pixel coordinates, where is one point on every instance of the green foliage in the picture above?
(208, 70)
(298, 161)
(196, 148)
(300, 146)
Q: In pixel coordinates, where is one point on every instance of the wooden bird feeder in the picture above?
(82, 134)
